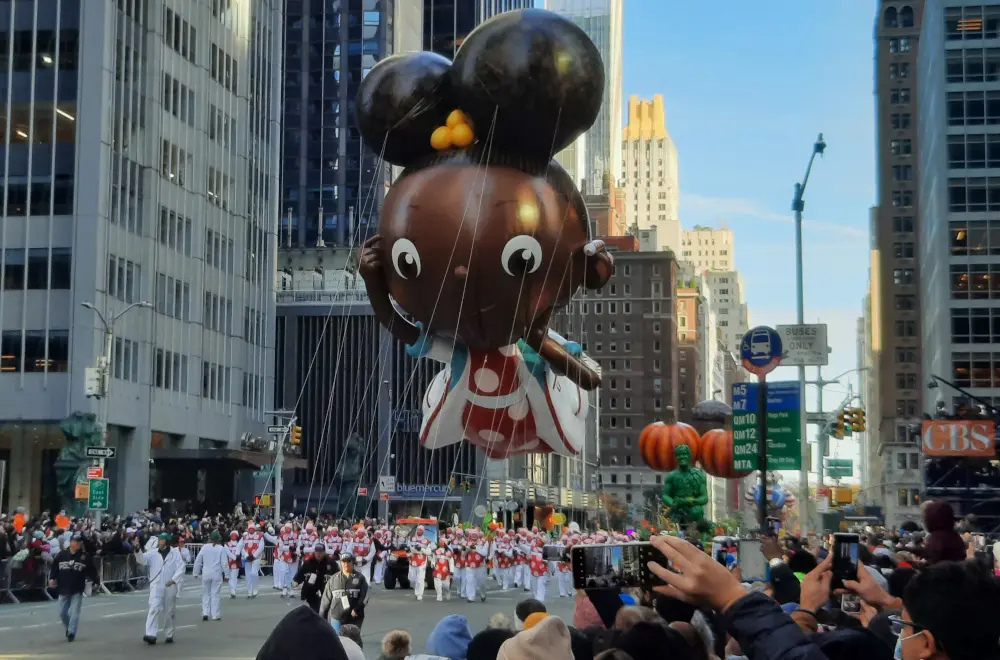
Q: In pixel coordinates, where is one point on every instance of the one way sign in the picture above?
(101, 452)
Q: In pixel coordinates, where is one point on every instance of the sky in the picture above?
(747, 87)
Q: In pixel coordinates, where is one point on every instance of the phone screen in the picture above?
(979, 542)
(850, 603)
(614, 566)
(552, 553)
(753, 568)
(845, 556)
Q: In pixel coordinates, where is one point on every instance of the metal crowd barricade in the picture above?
(120, 571)
(266, 561)
(18, 580)
(194, 549)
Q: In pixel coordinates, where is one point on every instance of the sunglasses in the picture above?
(897, 624)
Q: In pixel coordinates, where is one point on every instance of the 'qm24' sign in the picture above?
(959, 438)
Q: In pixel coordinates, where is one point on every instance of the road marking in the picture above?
(34, 625)
(144, 611)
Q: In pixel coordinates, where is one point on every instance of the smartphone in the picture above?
(552, 552)
(850, 603)
(614, 566)
(845, 556)
(979, 542)
(773, 525)
(753, 568)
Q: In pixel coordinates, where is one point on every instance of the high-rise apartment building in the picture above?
(603, 21)
(649, 172)
(629, 328)
(958, 103)
(894, 407)
(729, 304)
(708, 248)
(141, 166)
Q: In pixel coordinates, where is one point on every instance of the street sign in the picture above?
(784, 443)
(387, 483)
(277, 430)
(100, 452)
(95, 472)
(82, 491)
(362, 492)
(838, 468)
(804, 345)
(97, 497)
(761, 350)
(384, 496)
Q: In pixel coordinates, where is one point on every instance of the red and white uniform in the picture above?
(522, 555)
(442, 567)
(285, 559)
(333, 541)
(307, 541)
(504, 552)
(234, 558)
(564, 569)
(539, 569)
(362, 549)
(384, 539)
(497, 403)
(419, 550)
(477, 549)
(253, 552)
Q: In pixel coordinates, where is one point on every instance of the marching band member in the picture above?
(363, 550)
(234, 552)
(308, 539)
(522, 560)
(285, 561)
(419, 550)
(475, 566)
(347, 547)
(505, 558)
(333, 541)
(457, 548)
(253, 550)
(539, 568)
(211, 564)
(564, 569)
(443, 568)
(383, 539)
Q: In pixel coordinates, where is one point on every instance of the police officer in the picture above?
(70, 571)
(312, 576)
(345, 595)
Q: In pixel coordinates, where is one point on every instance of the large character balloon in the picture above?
(484, 236)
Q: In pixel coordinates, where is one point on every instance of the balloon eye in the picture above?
(521, 255)
(405, 259)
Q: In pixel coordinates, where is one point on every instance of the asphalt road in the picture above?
(113, 625)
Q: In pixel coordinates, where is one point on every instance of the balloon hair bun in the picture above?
(456, 133)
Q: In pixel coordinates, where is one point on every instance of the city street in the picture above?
(113, 624)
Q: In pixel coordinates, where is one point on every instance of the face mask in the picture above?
(897, 653)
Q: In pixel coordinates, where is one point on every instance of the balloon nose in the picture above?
(461, 272)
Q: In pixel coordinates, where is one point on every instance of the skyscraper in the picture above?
(603, 22)
(448, 22)
(140, 141)
(894, 396)
(649, 171)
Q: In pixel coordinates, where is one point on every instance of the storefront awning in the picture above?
(254, 459)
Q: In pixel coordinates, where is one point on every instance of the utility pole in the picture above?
(798, 206)
(104, 379)
(289, 433)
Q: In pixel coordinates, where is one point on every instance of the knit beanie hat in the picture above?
(450, 637)
(486, 644)
(548, 640)
(534, 619)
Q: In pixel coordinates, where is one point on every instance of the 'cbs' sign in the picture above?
(959, 438)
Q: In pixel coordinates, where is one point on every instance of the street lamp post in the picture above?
(104, 369)
(798, 205)
(935, 380)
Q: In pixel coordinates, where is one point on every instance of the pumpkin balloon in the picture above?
(658, 441)
(717, 454)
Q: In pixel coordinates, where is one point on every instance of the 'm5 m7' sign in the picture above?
(975, 438)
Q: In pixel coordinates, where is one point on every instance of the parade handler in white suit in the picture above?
(165, 566)
(211, 564)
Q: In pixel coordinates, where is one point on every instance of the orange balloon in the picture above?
(461, 135)
(455, 117)
(441, 138)
(717, 454)
(658, 440)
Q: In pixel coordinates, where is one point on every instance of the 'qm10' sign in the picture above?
(942, 437)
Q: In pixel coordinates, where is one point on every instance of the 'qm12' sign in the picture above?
(943, 437)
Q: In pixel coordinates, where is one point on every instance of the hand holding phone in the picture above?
(850, 603)
(845, 557)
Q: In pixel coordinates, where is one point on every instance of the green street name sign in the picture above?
(98, 497)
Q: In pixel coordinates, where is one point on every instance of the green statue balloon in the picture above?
(684, 490)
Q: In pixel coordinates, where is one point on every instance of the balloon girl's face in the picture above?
(484, 235)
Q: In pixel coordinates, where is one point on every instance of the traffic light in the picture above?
(860, 424)
(468, 487)
(848, 421)
(838, 428)
(451, 483)
(296, 435)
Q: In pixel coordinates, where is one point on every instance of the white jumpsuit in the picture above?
(211, 564)
(164, 573)
(253, 546)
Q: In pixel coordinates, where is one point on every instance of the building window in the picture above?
(903, 250)
(124, 279)
(215, 382)
(179, 34)
(902, 224)
(902, 199)
(973, 108)
(175, 231)
(900, 121)
(170, 370)
(125, 361)
(178, 99)
(902, 172)
(899, 70)
(39, 270)
(899, 95)
(224, 69)
(900, 147)
(906, 381)
(900, 45)
(173, 297)
(906, 356)
(907, 408)
(906, 328)
(905, 303)
(175, 163)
